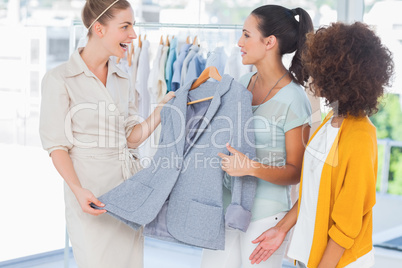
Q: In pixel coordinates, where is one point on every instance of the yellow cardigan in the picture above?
(347, 192)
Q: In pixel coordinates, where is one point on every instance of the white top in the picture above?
(142, 81)
(144, 98)
(161, 89)
(153, 76)
(364, 261)
(314, 159)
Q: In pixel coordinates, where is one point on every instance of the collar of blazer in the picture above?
(180, 103)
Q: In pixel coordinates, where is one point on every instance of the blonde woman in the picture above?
(88, 126)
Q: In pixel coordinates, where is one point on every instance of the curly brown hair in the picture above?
(350, 67)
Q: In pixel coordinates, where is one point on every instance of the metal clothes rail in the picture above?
(177, 25)
(189, 26)
(77, 26)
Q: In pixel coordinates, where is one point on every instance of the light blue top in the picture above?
(217, 58)
(195, 68)
(177, 65)
(169, 63)
(287, 109)
(190, 55)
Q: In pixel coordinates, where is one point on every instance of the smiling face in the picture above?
(251, 42)
(119, 32)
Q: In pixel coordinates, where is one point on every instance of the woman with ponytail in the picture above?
(89, 127)
(281, 123)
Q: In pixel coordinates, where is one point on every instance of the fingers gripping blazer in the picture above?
(179, 196)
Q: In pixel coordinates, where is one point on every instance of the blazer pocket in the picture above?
(131, 196)
(203, 221)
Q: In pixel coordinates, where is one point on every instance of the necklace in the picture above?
(255, 81)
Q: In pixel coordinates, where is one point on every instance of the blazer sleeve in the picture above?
(238, 213)
(54, 123)
(357, 195)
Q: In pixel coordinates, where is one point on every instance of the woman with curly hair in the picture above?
(333, 217)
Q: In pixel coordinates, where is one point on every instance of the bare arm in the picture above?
(64, 165)
(144, 129)
(332, 254)
(295, 140)
(270, 240)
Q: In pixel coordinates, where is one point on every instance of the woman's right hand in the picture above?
(167, 97)
(269, 241)
(85, 198)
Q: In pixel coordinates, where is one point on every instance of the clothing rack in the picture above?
(191, 26)
(78, 29)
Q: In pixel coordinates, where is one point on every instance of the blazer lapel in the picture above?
(178, 117)
(222, 87)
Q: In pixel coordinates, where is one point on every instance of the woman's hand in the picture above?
(167, 97)
(269, 241)
(143, 130)
(237, 164)
(85, 198)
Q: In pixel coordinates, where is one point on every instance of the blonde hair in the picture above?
(93, 10)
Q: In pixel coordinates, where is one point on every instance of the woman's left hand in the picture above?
(268, 242)
(168, 97)
(237, 164)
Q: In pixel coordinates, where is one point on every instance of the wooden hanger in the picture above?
(195, 41)
(188, 40)
(161, 41)
(167, 41)
(132, 47)
(139, 41)
(130, 53)
(145, 36)
(210, 72)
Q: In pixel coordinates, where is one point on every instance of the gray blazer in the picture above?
(179, 196)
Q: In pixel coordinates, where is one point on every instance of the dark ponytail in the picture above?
(290, 33)
(305, 26)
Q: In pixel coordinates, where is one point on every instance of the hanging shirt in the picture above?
(195, 68)
(218, 59)
(234, 66)
(177, 65)
(134, 70)
(161, 88)
(142, 81)
(150, 144)
(153, 76)
(144, 99)
(157, 94)
(169, 63)
(190, 55)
